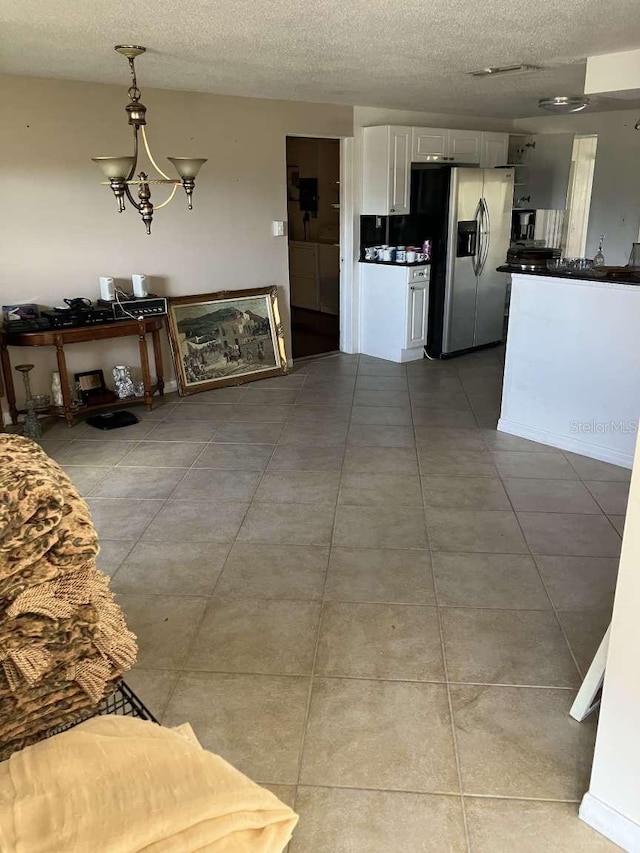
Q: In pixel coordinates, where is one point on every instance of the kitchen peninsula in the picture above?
(572, 369)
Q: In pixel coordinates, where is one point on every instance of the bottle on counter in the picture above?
(598, 258)
(426, 248)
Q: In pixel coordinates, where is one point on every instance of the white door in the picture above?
(464, 146)
(417, 305)
(399, 170)
(429, 144)
(495, 150)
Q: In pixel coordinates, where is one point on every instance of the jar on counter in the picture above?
(401, 255)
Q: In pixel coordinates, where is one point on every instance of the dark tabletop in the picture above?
(584, 275)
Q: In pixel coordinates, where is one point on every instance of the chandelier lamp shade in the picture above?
(122, 172)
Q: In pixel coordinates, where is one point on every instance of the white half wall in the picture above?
(61, 230)
(612, 805)
(572, 366)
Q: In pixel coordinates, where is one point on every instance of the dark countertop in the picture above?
(584, 275)
(394, 264)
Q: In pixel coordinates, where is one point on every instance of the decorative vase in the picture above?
(32, 428)
(56, 390)
(124, 383)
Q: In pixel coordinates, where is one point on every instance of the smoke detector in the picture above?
(497, 70)
(564, 103)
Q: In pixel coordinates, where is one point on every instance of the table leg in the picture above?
(8, 381)
(144, 364)
(157, 354)
(64, 380)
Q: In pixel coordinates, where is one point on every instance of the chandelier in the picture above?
(120, 171)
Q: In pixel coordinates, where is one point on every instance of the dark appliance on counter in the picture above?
(467, 213)
(530, 258)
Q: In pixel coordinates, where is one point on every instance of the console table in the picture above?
(59, 338)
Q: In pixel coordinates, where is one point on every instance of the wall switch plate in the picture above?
(277, 228)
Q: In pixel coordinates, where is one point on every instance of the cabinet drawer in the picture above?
(419, 273)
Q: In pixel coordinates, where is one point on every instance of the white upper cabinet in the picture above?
(464, 146)
(442, 145)
(429, 144)
(389, 151)
(495, 150)
(386, 186)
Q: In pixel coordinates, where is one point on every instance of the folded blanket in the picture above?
(122, 785)
(45, 528)
(60, 628)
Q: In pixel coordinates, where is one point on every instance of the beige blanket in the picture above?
(122, 785)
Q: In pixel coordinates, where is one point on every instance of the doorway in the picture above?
(313, 212)
(583, 161)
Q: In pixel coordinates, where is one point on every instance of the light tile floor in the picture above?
(366, 598)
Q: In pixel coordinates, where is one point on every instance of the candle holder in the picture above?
(32, 428)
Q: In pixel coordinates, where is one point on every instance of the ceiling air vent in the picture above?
(496, 70)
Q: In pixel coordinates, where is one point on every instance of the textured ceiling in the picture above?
(409, 54)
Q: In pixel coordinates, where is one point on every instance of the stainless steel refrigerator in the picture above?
(470, 214)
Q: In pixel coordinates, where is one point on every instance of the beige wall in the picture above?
(60, 228)
(372, 116)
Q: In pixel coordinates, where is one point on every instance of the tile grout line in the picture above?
(454, 738)
(322, 606)
(210, 596)
(542, 581)
(166, 501)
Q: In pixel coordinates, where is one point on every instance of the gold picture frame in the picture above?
(226, 338)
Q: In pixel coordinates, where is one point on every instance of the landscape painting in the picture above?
(226, 338)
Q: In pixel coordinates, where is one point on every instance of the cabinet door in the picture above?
(386, 174)
(399, 170)
(548, 163)
(429, 144)
(417, 305)
(464, 146)
(495, 150)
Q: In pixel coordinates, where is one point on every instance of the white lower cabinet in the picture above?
(417, 314)
(395, 311)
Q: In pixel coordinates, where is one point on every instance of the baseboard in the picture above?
(608, 822)
(563, 442)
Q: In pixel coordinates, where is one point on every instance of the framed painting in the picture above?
(226, 338)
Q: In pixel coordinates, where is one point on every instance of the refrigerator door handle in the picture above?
(486, 235)
(475, 260)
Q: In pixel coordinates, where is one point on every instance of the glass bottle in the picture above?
(598, 260)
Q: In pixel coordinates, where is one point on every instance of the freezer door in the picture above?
(461, 281)
(495, 228)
